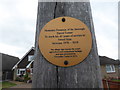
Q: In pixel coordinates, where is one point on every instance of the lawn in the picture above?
(7, 84)
(116, 80)
(0, 85)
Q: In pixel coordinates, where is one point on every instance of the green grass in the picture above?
(116, 80)
(0, 85)
(7, 84)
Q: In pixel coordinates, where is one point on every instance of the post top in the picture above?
(63, 0)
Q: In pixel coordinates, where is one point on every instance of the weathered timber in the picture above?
(84, 75)
(45, 75)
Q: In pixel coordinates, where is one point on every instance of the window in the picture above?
(119, 66)
(110, 68)
(30, 57)
(20, 71)
(31, 70)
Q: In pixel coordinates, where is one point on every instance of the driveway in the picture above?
(21, 85)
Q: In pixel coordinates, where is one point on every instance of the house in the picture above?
(25, 64)
(8, 62)
(109, 67)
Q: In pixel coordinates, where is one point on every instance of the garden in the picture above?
(24, 78)
(7, 84)
(111, 82)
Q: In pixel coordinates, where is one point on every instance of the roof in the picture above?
(105, 60)
(24, 60)
(8, 61)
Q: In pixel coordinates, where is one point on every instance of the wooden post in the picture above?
(84, 75)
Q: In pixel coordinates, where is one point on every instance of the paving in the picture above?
(21, 85)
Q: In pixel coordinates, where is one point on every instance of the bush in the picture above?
(19, 79)
(26, 78)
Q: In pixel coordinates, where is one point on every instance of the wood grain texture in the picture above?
(44, 73)
(84, 75)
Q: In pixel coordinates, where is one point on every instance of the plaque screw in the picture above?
(63, 19)
(66, 62)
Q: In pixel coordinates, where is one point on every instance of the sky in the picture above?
(18, 26)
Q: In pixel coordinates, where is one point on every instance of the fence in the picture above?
(108, 85)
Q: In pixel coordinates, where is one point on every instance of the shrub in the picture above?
(19, 79)
(26, 78)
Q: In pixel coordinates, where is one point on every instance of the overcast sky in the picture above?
(18, 26)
